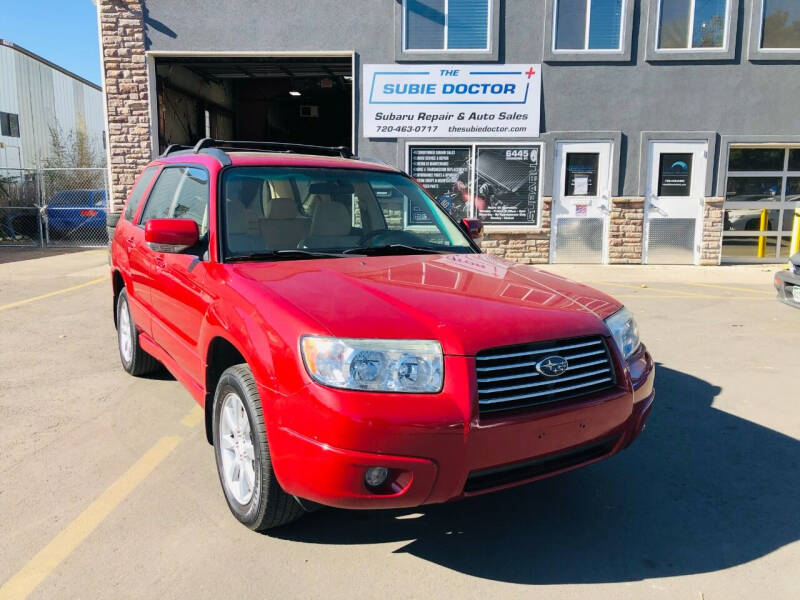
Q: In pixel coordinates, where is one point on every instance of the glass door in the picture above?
(581, 202)
(761, 194)
(676, 183)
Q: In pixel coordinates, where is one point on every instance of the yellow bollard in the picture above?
(762, 240)
(794, 248)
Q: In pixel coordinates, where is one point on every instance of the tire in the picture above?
(264, 504)
(134, 360)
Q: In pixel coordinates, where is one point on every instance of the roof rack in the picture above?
(208, 143)
(173, 148)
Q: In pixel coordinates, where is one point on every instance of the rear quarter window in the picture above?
(138, 193)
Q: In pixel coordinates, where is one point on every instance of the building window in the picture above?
(446, 25)
(692, 24)
(761, 194)
(780, 25)
(587, 25)
(9, 124)
(498, 183)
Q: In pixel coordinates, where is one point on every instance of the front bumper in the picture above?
(440, 451)
(784, 282)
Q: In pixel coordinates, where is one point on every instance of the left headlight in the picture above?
(375, 365)
(624, 331)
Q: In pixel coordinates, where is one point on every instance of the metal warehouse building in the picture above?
(606, 131)
(36, 95)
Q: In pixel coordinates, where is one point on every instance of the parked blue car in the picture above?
(78, 214)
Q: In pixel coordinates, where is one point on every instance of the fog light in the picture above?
(376, 476)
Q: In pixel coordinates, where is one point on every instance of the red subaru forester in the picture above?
(349, 342)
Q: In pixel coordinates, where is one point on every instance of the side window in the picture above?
(180, 193)
(9, 124)
(160, 200)
(137, 193)
(191, 199)
(393, 204)
(355, 212)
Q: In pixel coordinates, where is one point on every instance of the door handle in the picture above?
(160, 262)
(131, 241)
(658, 209)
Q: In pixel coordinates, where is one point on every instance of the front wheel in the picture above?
(243, 460)
(134, 360)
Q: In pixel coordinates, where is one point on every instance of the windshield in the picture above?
(269, 210)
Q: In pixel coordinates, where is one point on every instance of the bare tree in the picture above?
(71, 154)
(72, 149)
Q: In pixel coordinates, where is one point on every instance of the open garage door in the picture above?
(296, 100)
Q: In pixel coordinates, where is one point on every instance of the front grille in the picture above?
(508, 379)
(494, 477)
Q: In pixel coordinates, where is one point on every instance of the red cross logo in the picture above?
(530, 72)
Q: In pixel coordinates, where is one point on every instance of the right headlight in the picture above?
(379, 365)
(625, 332)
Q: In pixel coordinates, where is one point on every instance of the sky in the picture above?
(62, 31)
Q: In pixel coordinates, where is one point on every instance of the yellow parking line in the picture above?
(51, 294)
(194, 418)
(674, 296)
(41, 565)
(658, 289)
(728, 287)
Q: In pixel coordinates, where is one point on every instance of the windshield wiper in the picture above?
(393, 249)
(283, 255)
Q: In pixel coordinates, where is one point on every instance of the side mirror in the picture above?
(473, 228)
(171, 235)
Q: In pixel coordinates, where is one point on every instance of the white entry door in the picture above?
(676, 184)
(581, 202)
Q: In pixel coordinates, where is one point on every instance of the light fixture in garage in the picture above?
(294, 93)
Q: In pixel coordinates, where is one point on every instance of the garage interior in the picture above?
(295, 100)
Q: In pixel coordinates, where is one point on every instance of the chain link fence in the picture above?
(53, 207)
(20, 217)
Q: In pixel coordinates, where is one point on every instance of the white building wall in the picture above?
(11, 151)
(44, 97)
(95, 118)
(64, 101)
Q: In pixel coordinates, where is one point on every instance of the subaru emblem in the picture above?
(552, 366)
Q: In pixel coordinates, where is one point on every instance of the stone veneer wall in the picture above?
(625, 230)
(128, 114)
(711, 241)
(126, 93)
(528, 247)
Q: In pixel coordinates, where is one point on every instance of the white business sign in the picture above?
(451, 100)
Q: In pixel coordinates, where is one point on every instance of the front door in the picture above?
(179, 300)
(676, 182)
(581, 197)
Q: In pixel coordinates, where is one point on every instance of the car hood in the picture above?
(466, 301)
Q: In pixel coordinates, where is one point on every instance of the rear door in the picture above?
(129, 253)
(178, 298)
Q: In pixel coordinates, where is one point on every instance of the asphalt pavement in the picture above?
(108, 487)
